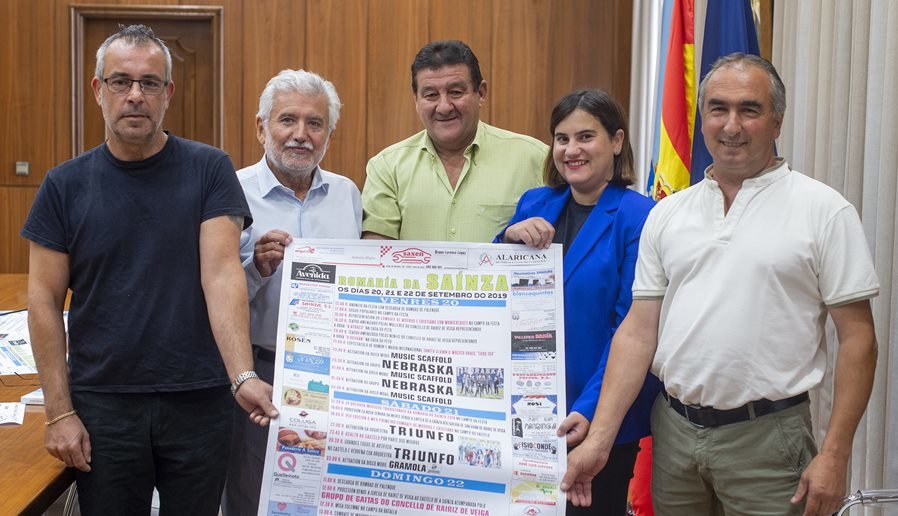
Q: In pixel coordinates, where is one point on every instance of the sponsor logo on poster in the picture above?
(317, 272)
(533, 341)
(534, 404)
(411, 255)
(520, 258)
(287, 462)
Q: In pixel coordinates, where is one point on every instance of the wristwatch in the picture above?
(239, 379)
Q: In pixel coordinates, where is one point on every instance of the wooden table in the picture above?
(13, 291)
(30, 479)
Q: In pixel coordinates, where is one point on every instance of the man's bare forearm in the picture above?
(229, 318)
(224, 288)
(853, 377)
(47, 288)
(47, 332)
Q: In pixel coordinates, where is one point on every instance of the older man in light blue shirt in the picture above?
(290, 196)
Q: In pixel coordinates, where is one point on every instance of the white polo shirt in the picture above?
(746, 294)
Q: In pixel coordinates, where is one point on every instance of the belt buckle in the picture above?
(689, 419)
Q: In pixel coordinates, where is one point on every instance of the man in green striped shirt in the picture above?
(459, 179)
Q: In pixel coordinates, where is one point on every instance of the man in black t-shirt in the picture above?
(144, 230)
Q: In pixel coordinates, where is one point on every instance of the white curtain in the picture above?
(644, 83)
(838, 61)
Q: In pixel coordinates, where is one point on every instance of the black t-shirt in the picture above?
(138, 319)
(569, 223)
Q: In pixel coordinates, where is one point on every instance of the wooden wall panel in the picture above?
(232, 90)
(475, 29)
(274, 38)
(519, 56)
(531, 52)
(620, 20)
(765, 38)
(583, 54)
(397, 29)
(61, 102)
(15, 202)
(25, 89)
(336, 49)
(31, 122)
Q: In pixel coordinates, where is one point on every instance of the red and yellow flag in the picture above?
(677, 104)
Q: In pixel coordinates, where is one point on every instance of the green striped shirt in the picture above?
(407, 194)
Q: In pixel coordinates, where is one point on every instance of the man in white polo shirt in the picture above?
(734, 282)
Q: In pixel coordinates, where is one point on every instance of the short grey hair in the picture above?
(136, 36)
(301, 81)
(740, 60)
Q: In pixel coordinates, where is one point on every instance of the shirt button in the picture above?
(454, 201)
(452, 231)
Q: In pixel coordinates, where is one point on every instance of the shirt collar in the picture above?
(777, 170)
(470, 151)
(268, 182)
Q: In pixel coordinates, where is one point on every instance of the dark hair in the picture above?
(438, 54)
(611, 115)
(135, 36)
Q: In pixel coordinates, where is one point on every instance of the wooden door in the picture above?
(193, 37)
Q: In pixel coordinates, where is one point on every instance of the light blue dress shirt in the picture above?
(332, 209)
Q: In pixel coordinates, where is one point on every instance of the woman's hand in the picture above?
(535, 232)
(574, 428)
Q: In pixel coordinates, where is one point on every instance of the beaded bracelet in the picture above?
(61, 417)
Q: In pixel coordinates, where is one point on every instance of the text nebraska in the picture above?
(429, 388)
(415, 367)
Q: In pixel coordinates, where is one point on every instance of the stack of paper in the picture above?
(35, 397)
(15, 344)
(12, 413)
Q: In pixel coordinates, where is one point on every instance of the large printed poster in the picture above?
(417, 377)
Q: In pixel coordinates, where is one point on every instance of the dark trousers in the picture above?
(177, 442)
(247, 462)
(610, 486)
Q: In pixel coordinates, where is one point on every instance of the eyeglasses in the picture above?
(122, 85)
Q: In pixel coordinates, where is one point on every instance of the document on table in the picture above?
(35, 397)
(12, 413)
(16, 356)
(417, 376)
(15, 346)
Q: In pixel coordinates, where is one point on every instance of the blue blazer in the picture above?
(598, 277)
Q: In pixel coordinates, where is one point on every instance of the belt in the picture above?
(264, 354)
(708, 417)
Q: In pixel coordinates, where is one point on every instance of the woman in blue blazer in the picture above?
(587, 208)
